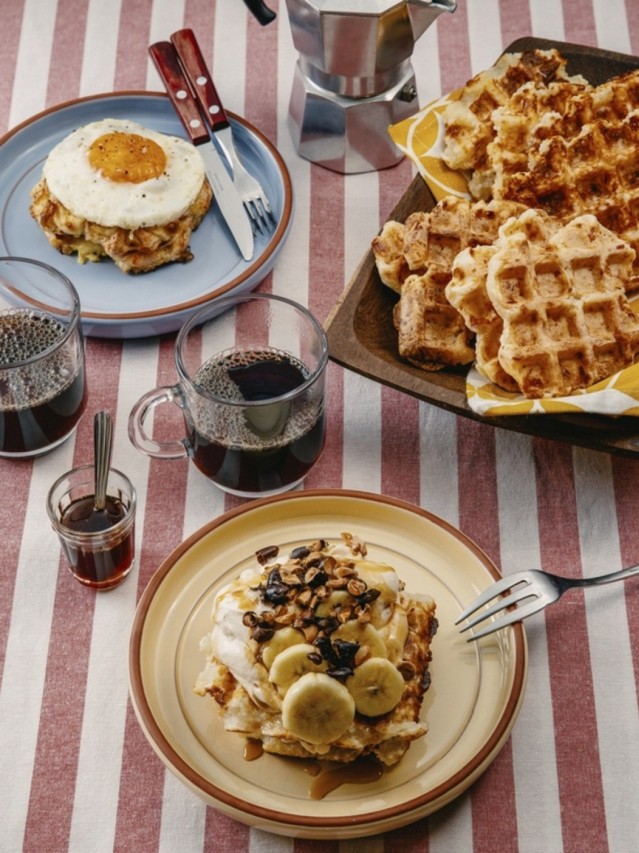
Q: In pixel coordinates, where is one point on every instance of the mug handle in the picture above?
(137, 433)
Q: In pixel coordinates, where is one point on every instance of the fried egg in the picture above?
(117, 173)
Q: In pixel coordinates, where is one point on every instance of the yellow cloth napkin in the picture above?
(420, 137)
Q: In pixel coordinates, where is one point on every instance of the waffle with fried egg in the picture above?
(116, 189)
(320, 653)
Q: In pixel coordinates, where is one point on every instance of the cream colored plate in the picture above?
(471, 706)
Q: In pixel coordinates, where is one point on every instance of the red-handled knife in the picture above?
(225, 193)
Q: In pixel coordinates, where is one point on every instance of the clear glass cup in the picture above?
(42, 373)
(251, 386)
(99, 545)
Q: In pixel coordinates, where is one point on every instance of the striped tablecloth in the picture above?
(76, 772)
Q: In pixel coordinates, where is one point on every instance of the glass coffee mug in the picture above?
(42, 384)
(251, 386)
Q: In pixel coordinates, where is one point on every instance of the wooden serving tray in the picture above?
(362, 337)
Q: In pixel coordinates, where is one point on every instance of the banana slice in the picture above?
(282, 639)
(395, 633)
(317, 708)
(292, 663)
(376, 686)
(335, 599)
(364, 634)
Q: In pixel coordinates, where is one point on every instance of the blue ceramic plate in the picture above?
(114, 304)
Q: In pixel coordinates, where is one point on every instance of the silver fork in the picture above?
(532, 591)
(192, 60)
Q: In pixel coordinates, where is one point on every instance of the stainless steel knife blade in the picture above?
(226, 195)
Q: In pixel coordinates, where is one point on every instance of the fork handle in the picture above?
(597, 580)
(197, 71)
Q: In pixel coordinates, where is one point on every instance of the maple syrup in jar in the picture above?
(98, 544)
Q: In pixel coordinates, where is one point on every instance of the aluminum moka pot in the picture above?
(353, 77)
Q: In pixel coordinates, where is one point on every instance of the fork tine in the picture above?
(518, 594)
(266, 205)
(262, 211)
(488, 594)
(516, 615)
(254, 215)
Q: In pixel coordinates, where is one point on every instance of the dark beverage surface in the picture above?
(103, 566)
(266, 376)
(81, 516)
(44, 400)
(257, 449)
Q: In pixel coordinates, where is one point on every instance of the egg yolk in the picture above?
(127, 157)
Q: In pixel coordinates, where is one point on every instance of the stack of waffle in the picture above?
(530, 280)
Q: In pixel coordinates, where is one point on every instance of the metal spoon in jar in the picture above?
(102, 445)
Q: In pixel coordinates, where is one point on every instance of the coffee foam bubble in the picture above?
(24, 334)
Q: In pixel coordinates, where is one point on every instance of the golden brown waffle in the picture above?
(595, 172)
(529, 116)
(466, 291)
(388, 249)
(467, 121)
(560, 293)
(431, 333)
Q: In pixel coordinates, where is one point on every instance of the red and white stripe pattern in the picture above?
(76, 773)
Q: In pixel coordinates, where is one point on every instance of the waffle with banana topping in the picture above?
(320, 653)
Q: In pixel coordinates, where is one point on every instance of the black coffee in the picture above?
(40, 402)
(256, 449)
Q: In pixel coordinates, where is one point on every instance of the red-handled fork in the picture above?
(197, 72)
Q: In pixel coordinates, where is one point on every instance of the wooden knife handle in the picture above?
(166, 61)
(200, 78)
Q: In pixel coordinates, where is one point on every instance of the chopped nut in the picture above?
(355, 544)
(310, 632)
(315, 576)
(356, 587)
(362, 654)
(329, 564)
(322, 593)
(346, 570)
(250, 619)
(407, 669)
(303, 598)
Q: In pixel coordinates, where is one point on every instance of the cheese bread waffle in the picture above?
(320, 653)
(431, 332)
(596, 171)
(559, 293)
(535, 113)
(467, 292)
(467, 121)
(529, 116)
